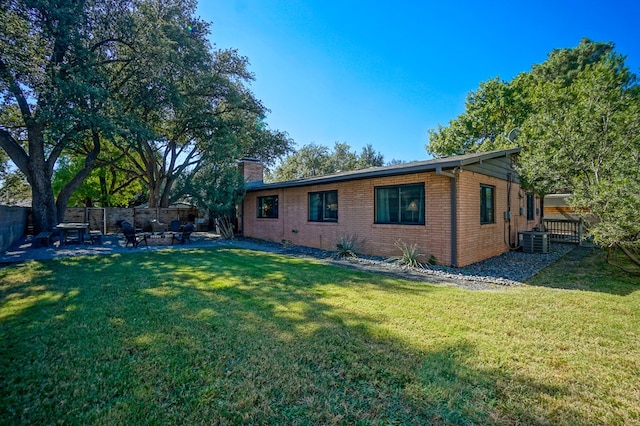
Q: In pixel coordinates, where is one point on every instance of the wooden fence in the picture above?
(107, 219)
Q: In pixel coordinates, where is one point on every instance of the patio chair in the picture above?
(174, 226)
(185, 235)
(131, 237)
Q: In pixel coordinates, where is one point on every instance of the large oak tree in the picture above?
(56, 62)
(137, 76)
(187, 102)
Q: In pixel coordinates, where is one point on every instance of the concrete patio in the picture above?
(27, 248)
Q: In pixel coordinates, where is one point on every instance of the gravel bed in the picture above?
(507, 269)
(513, 267)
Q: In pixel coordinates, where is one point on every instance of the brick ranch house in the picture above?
(460, 209)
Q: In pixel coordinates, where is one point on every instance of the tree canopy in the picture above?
(55, 64)
(585, 138)
(497, 107)
(577, 118)
(137, 77)
(316, 160)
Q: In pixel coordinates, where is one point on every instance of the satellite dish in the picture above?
(513, 134)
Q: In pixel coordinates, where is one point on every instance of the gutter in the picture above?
(436, 165)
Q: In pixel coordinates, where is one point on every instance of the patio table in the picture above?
(64, 228)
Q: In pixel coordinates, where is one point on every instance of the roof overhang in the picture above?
(443, 166)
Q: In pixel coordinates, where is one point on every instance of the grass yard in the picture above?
(209, 336)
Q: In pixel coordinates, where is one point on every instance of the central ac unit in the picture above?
(534, 241)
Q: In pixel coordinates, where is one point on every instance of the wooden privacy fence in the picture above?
(564, 230)
(107, 219)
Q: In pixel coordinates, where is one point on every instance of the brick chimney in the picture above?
(252, 171)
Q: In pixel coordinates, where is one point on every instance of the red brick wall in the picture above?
(356, 217)
(251, 170)
(477, 242)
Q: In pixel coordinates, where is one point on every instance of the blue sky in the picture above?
(384, 73)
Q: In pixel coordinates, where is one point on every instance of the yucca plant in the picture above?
(410, 255)
(346, 246)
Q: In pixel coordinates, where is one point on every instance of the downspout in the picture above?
(453, 186)
(454, 221)
(508, 216)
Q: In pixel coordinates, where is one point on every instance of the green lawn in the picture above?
(230, 336)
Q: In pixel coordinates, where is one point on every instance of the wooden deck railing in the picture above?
(564, 230)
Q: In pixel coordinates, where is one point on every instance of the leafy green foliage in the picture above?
(585, 138)
(577, 116)
(216, 187)
(189, 102)
(491, 112)
(14, 188)
(317, 160)
(564, 65)
(106, 186)
(497, 107)
(140, 77)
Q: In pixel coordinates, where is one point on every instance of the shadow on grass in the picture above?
(585, 269)
(233, 336)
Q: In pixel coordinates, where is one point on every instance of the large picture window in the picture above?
(487, 204)
(323, 206)
(403, 204)
(268, 207)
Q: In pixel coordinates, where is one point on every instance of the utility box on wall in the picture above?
(534, 241)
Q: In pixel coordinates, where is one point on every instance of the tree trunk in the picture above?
(76, 181)
(45, 214)
(153, 185)
(104, 195)
(165, 200)
(153, 198)
(630, 255)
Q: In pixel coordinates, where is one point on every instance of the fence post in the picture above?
(580, 233)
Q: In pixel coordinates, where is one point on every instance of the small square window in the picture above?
(268, 207)
(323, 206)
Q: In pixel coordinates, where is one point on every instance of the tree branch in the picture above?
(14, 88)
(14, 150)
